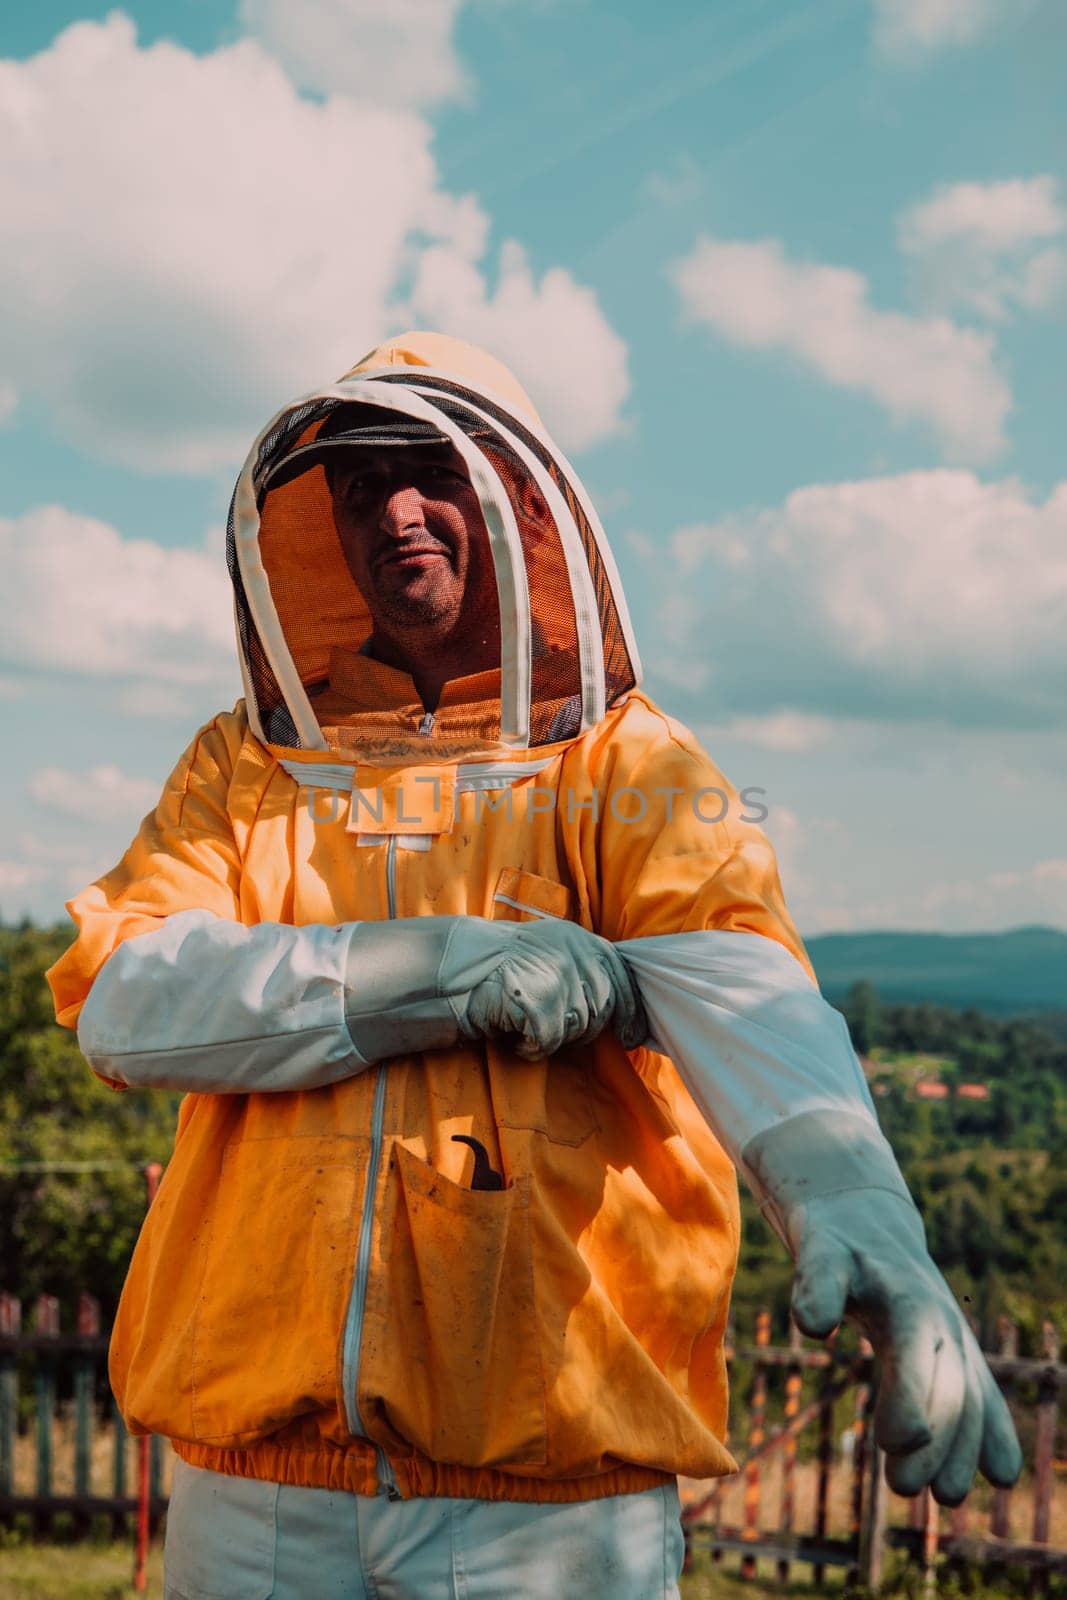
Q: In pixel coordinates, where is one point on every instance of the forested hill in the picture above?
(1019, 973)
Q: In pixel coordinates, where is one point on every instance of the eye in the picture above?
(438, 473)
(364, 485)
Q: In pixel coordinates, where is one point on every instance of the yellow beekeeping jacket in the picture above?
(560, 1338)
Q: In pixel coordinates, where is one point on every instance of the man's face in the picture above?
(414, 539)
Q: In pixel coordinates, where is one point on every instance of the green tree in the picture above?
(863, 1013)
(72, 1151)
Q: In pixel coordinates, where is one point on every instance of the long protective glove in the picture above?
(420, 983)
(210, 1006)
(771, 1068)
(832, 1190)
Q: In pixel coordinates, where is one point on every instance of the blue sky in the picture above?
(789, 282)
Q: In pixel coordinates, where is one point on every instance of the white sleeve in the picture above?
(207, 1005)
(751, 1036)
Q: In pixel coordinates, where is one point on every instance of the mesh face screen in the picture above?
(618, 668)
(321, 557)
(555, 666)
(274, 714)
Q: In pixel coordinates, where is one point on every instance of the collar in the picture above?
(374, 686)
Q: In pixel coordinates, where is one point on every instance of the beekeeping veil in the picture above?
(567, 648)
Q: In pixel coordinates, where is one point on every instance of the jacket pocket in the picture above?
(526, 897)
(277, 1275)
(451, 1359)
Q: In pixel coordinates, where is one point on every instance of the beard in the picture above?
(426, 605)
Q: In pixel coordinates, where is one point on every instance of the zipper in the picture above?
(353, 1339)
(357, 1304)
(390, 876)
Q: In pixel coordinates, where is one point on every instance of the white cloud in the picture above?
(802, 848)
(100, 795)
(988, 247)
(53, 864)
(540, 330)
(162, 702)
(18, 875)
(962, 905)
(186, 242)
(783, 828)
(791, 732)
(907, 30)
(80, 598)
(924, 370)
(994, 216)
(926, 595)
(822, 900)
(1035, 894)
(9, 399)
(396, 53)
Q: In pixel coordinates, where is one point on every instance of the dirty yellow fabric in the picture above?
(560, 1339)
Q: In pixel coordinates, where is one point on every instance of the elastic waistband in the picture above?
(352, 1470)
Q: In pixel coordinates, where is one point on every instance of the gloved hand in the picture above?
(421, 983)
(832, 1190)
(556, 984)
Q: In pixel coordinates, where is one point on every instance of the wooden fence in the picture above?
(854, 1520)
(810, 1489)
(47, 1379)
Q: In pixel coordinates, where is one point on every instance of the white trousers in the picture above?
(239, 1539)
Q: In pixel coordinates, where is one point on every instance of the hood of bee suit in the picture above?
(567, 650)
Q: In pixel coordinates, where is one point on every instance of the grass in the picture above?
(74, 1572)
(104, 1572)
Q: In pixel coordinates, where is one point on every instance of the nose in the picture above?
(401, 511)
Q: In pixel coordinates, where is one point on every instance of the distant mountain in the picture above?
(1019, 973)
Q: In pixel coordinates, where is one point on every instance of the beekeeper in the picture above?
(481, 985)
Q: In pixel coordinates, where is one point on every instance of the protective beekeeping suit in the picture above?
(481, 984)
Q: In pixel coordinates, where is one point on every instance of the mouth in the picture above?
(412, 556)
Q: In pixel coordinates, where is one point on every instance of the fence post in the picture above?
(825, 1456)
(959, 1516)
(46, 1324)
(88, 1326)
(1045, 1434)
(152, 1174)
(860, 1410)
(10, 1328)
(119, 1523)
(1007, 1345)
(715, 1508)
(874, 1499)
(931, 1534)
(867, 1522)
(872, 1538)
(155, 1483)
(755, 1439)
(793, 1382)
